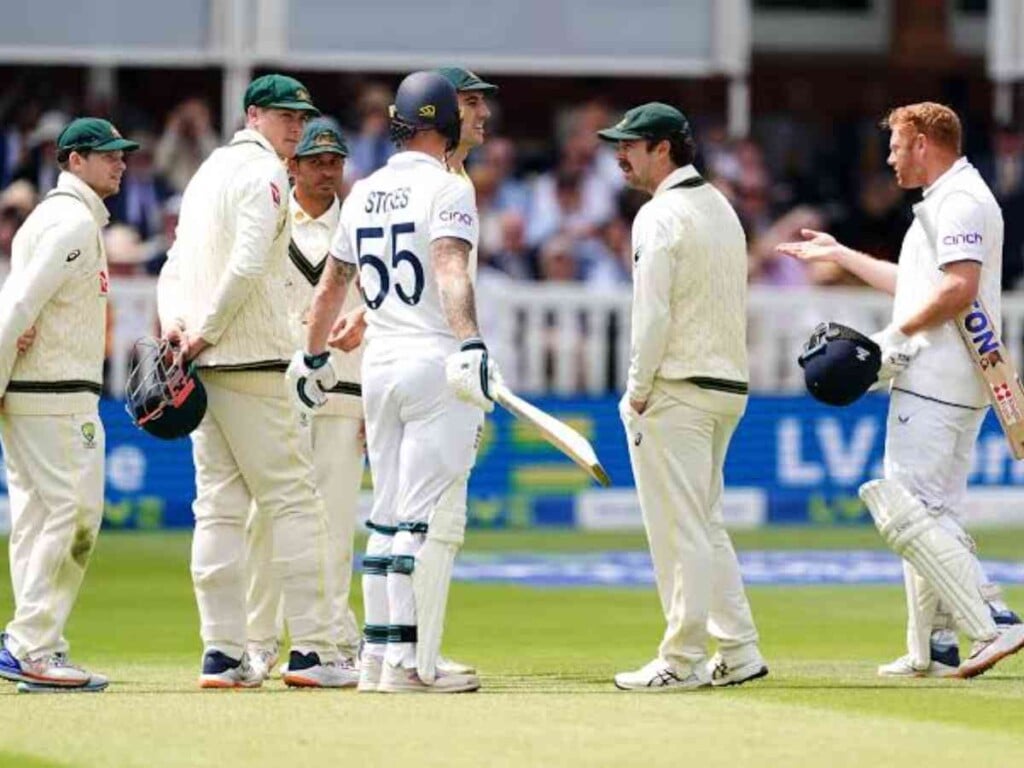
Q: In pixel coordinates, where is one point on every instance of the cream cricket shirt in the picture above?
(958, 220)
(689, 315)
(225, 274)
(307, 254)
(58, 282)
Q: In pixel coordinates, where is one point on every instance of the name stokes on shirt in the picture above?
(380, 201)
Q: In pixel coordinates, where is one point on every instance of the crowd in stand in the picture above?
(557, 212)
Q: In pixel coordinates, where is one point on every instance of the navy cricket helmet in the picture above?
(426, 100)
(840, 364)
(163, 396)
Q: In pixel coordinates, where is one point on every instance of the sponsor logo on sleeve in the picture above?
(72, 256)
(275, 195)
(104, 283)
(457, 217)
(963, 238)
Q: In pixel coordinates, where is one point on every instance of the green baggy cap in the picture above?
(322, 135)
(278, 92)
(648, 121)
(94, 134)
(464, 80)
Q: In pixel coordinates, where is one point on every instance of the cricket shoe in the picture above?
(96, 684)
(305, 670)
(262, 658)
(369, 673)
(396, 679)
(658, 676)
(453, 667)
(222, 671)
(52, 670)
(904, 667)
(724, 674)
(986, 653)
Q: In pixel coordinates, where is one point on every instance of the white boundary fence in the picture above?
(568, 338)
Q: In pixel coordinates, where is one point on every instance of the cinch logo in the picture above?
(983, 335)
(968, 238)
(457, 217)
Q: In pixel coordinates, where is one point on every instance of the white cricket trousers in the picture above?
(421, 441)
(338, 470)
(928, 448)
(55, 484)
(677, 452)
(251, 447)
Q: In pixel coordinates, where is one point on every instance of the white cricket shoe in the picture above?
(724, 674)
(453, 667)
(659, 676)
(904, 667)
(262, 658)
(985, 654)
(222, 671)
(305, 670)
(395, 679)
(369, 673)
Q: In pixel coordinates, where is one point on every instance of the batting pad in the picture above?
(935, 553)
(433, 574)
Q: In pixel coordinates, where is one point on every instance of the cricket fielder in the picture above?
(686, 392)
(53, 440)
(335, 431)
(222, 298)
(411, 227)
(951, 254)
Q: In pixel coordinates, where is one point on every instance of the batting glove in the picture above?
(898, 350)
(471, 373)
(309, 377)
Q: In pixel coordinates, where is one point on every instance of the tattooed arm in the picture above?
(450, 257)
(327, 300)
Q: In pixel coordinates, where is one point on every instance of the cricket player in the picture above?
(473, 93)
(335, 431)
(222, 298)
(951, 254)
(53, 440)
(411, 227)
(686, 392)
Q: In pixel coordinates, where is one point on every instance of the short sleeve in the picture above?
(961, 229)
(341, 243)
(454, 212)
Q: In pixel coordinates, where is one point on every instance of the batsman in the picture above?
(950, 256)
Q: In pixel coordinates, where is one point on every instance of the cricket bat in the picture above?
(1004, 389)
(559, 434)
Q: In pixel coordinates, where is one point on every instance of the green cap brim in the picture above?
(480, 86)
(115, 144)
(322, 151)
(301, 106)
(614, 134)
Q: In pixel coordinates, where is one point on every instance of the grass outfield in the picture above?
(547, 657)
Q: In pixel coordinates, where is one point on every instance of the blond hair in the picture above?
(936, 121)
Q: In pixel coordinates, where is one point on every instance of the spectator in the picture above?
(140, 201)
(371, 145)
(557, 261)
(187, 140)
(158, 245)
(16, 203)
(39, 165)
(1004, 171)
(514, 257)
(14, 140)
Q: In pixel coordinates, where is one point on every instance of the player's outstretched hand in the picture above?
(898, 350)
(815, 246)
(308, 378)
(347, 333)
(472, 373)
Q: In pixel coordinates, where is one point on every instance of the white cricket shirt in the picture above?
(388, 222)
(958, 220)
